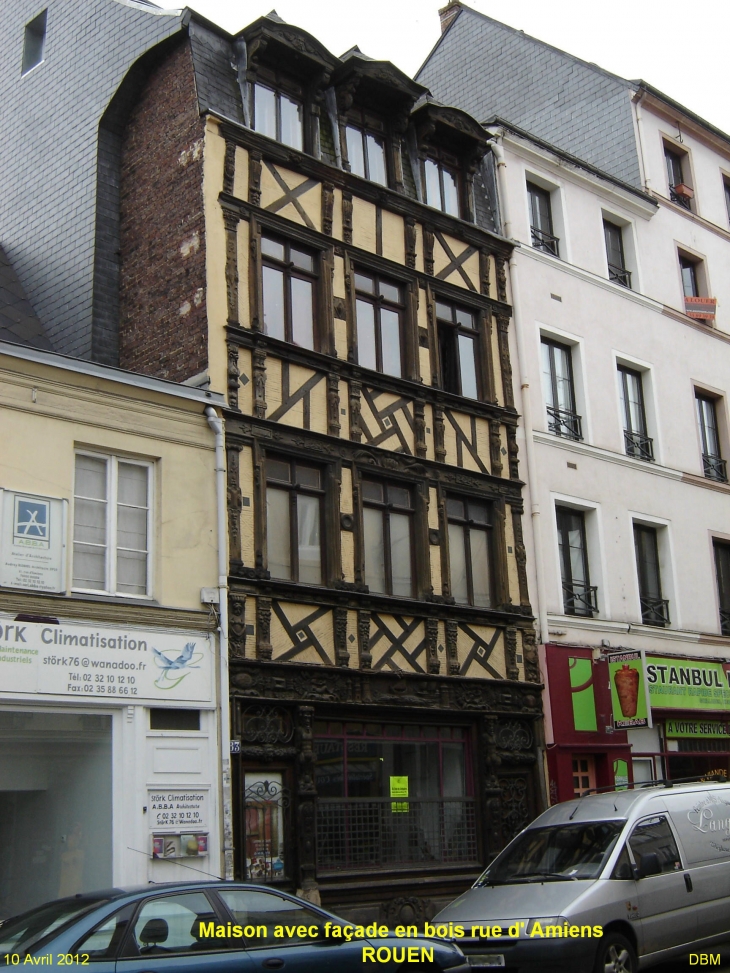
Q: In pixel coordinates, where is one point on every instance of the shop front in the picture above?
(107, 757)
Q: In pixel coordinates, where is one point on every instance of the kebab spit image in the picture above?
(627, 687)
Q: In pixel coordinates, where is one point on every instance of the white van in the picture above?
(622, 880)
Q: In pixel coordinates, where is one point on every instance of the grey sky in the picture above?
(679, 48)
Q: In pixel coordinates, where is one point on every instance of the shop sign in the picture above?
(32, 541)
(177, 808)
(399, 788)
(629, 697)
(85, 661)
(691, 729)
(687, 684)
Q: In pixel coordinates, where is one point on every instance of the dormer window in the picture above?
(366, 148)
(441, 186)
(277, 115)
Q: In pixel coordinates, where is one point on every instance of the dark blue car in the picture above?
(217, 927)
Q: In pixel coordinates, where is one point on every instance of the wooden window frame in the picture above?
(294, 489)
(279, 87)
(450, 163)
(468, 526)
(386, 506)
(366, 124)
(377, 302)
(477, 336)
(289, 271)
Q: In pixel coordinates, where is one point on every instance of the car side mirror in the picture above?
(649, 864)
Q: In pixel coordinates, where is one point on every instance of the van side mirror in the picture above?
(649, 864)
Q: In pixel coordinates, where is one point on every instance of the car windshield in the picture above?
(20, 932)
(558, 854)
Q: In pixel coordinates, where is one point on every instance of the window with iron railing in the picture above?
(631, 392)
(675, 174)
(722, 569)
(579, 596)
(559, 388)
(654, 608)
(541, 220)
(713, 465)
(617, 271)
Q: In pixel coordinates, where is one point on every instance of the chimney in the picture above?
(448, 14)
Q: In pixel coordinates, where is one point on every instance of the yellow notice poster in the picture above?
(399, 788)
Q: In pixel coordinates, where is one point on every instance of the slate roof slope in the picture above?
(18, 320)
(488, 68)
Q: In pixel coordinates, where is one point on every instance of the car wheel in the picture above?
(616, 955)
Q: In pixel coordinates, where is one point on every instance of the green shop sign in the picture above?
(685, 684)
(696, 728)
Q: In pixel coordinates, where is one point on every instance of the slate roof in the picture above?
(18, 321)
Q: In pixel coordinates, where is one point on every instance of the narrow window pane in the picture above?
(576, 552)
(376, 160)
(277, 469)
(464, 318)
(302, 260)
(390, 339)
(468, 367)
(455, 508)
(689, 279)
(302, 313)
(451, 193)
(264, 111)
(399, 496)
(132, 484)
(444, 312)
(365, 314)
(372, 490)
(310, 553)
(457, 564)
(274, 303)
(391, 292)
(91, 477)
(478, 513)
(132, 528)
(307, 476)
(291, 122)
(374, 549)
(634, 403)
(278, 538)
(479, 542)
(353, 137)
(90, 521)
(400, 554)
(132, 572)
(365, 284)
(433, 187)
(272, 248)
(89, 567)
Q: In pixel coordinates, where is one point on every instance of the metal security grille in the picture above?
(370, 833)
(704, 746)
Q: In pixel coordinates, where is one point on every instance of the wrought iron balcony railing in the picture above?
(655, 611)
(380, 832)
(561, 422)
(580, 598)
(680, 198)
(725, 621)
(715, 467)
(541, 240)
(638, 445)
(619, 275)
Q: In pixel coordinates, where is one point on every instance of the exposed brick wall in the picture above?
(162, 327)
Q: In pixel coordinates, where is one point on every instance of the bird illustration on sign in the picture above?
(172, 669)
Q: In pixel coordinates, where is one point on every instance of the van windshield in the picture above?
(558, 854)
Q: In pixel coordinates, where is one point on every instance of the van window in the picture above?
(622, 869)
(556, 854)
(654, 835)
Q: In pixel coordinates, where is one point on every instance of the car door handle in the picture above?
(688, 882)
(273, 964)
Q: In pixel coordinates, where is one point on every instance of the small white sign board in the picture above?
(177, 808)
(32, 541)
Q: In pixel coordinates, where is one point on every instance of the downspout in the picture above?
(216, 424)
(540, 608)
(640, 133)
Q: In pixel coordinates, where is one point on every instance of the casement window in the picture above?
(617, 271)
(441, 186)
(365, 149)
(380, 314)
(112, 525)
(470, 551)
(541, 220)
(579, 596)
(722, 569)
(679, 191)
(714, 466)
(388, 538)
(458, 349)
(294, 518)
(277, 115)
(633, 413)
(559, 389)
(34, 42)
(289, 278)
(379, 784)
(690, 281)
(654, 608)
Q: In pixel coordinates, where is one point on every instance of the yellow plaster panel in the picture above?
(441, 260)
(245, 467)
(348, 556)
(476, 658)
(337, 216)
(341, 339)
(390, 629)
(394, 245)
(310, 201)
(273, 384)
(483, 450)
(245, 389)
(338, 280)
(363, 224)
(215, 256)
(242, 261)
(430, 450)
(492, 278)
(419, 248)
(512, 576)
(313, 641)
(424, 363)
(433, 509)
(449, 443)
(389, 428)
(498, 388)
(435, 559)
(240, 174)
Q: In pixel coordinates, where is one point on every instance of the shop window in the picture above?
(294, 508)
(365, 149)
(289, 277)
(112, 520)
(584, 774)
(633, 413)
(654, 608)
(559, 389)
(458, 349)
(393, 795)
(441, 185)
(470, 551)
(722, 569)
(174, 719)
(388, 538)
(34, 42)
(579, 596)
(380, 314)
(277, 115)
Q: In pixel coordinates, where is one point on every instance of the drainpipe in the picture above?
(640, 133)
(541, 606)
(216, 424)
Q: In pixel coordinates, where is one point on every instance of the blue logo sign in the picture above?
(32, 522)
